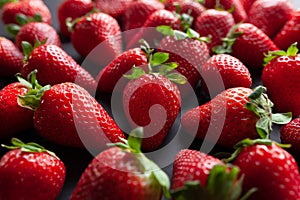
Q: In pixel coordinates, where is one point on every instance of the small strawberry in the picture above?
(29, 8)
(29, 171)
(247, 4)
(270, 15)
(247, 43)
(71, 9)
(121, 173)
(97, 29)
(268, 168)
(290, 134)
(214, 23)
(289, 33)
(115, 9)
(112, 73)
(281, 76)
(68, 115)
(11, 59)
(55, 66)
(242, 114)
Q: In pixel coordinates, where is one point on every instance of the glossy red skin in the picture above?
(55, 66)
(40, 30)
(214, 23)
(239, 122)
(289, 33)
(26, 7)
(251, 46)
(93, 30)
(14, 118)
(67, 110)
(73, 9)
(282, 78)
(112, 73)
(247, 4)
(290, 134)
(190, 55)
(191, 165)
(116, 175)
(140, 95)
(11, 59)
(270, 169)
(148, 31)
(270, 15)
(115, 9)
(30, 176)
(233, 72)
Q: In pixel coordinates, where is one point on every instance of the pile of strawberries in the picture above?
(156, 55)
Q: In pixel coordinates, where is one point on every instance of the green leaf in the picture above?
(178, 35)
(257, 92)
(165, 30)
(190, 190)
(12, 29)
(262, 127)
(292, 50)
(192, 34)
(27, 49)
(135, 139)
(22, 19)
(167, 67)
(186, 21)
(177, 78)
(281, 118)
(37, 17)
(159, 58)
(136, 73)
(163, 180)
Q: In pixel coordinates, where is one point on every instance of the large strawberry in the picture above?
(247, 43)
(115, 9)
(68, 115)
(270, 15)
(28, 8)
(281, 76)
(288, 34)
(11, 59)
(268, 168)
(233, 115)
(29, 171)
(97, 31)
(55, 66)
(121, 173)
(71, 9)
(290, 134)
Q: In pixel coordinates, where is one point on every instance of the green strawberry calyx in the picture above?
(3, 2)
(223, 183)
(261, 105)
(71, 23)
(28, 48)
(133, 145)
(28, 147)
(32, 99)
(292, 51)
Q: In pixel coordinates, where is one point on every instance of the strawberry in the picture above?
(247, 4)
(122, 172)
(289, 134)
(214, 23)
(197, 175)
(281, 76)
(116, 9)
(71, 9)
(92, 30)
(270, 15)
(247, 43)
(112, 73)
(268, 168)
(288, 34)
(28, 8)
(10, 59)
(239, 116)
(232, 71)
(29, 171)
(55, 66)
(158, 18)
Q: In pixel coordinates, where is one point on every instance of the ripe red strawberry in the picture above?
(10, 58)
(247, 4)
(56, 66)
(112, 73)
(239, 108)
(214, 23)
(122, 173)
(249, 44)
(29, 171)
(28, 8)
(281, 76)
(68, 115)
(290, 134)
(148, 33)
(93, 30)
(232, 71)
(268, 168)
(270, 15)
(115, 9)
(288, 34)
(71, 9)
